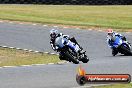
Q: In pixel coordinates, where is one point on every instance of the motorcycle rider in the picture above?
(111, 35)
(54, 34)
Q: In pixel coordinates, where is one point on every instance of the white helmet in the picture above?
(53, 33)
(110, 32)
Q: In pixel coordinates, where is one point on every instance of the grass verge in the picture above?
(116, 86)
(13, 57)
(118, 17)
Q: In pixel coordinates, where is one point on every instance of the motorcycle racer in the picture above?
(110, 36)
(54, 34)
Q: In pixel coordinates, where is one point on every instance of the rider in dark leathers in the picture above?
(54, 34)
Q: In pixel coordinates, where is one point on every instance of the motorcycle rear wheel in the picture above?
(85, 60)
(125, 50)
(71, 58)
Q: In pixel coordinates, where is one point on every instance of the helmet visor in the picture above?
(110, 34)
(53, 35)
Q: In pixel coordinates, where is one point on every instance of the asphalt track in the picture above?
(36, 37)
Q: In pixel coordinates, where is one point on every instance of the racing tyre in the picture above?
(72, 58)
(85, 60)
(125, 50)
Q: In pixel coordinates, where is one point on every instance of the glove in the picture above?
(124, 38)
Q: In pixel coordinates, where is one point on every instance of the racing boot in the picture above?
(81, 53)
(75, 41)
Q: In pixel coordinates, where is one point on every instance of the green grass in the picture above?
(116, 86)
(119, 17)
(13, 57)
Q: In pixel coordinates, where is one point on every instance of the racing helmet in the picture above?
(53, 33)
(110, 32)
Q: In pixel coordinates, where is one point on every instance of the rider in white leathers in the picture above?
(55, 34)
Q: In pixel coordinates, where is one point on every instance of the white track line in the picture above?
(55, 26)
(20, 23)
(62, 62)
(11, 47)
(10, 22)
(52, 53)
(25, 65)
(4, 46)
(44, 25)
(30, 50)
(34, 24)
(25, 49)
(18, 48)
(8, 66)
(36, 51)
(89, 29)
(50, 63)
(100, 30)
(77, 28)
(65, 27)
(46, 52)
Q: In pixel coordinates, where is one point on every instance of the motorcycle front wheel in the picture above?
(71, 58)
(85, 59)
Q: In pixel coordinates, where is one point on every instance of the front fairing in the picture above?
(117, 42)
(60, 42)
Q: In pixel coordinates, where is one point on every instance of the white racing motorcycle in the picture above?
(69, 50)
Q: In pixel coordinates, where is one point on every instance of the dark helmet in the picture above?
(53, 33)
